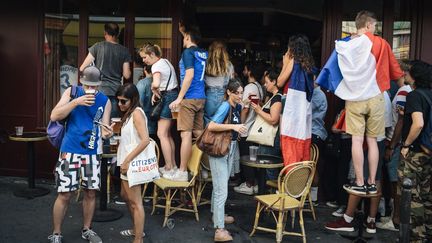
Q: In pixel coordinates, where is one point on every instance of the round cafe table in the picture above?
(31, 191)
(105, 214)
(262, 163)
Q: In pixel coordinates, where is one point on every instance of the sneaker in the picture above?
(332, 204)
(177, 176)
(204, 174)
(372, 189)
(387, 224)
(339, 212)
(340, 225)
(244, 189)
(119, 201)
(222, 235)
(370, 227)
(255, 189)
(55, 238)
(162, 170)
(355, 189)
(91, 236)
(228, 219)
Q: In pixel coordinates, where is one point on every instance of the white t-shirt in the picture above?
(164, 67)
(387, 114)
(251, 88)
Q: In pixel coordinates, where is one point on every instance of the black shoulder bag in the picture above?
(158, 105)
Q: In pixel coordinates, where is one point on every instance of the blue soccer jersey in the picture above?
(82, 134)
(194, 57)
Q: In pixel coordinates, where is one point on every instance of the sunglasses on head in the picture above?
(123, 101)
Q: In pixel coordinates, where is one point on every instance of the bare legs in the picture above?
(167, 143)
(358, 158)
(185, 149)
(133, 199)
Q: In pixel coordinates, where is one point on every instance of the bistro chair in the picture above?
(202, 182)
(171, 188)
(314, 154)
(145, 186)
(294, 181)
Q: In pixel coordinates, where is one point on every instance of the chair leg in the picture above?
(311, 206)
(194, 203)
(167, 206)
(257, 215)
(155, 198)
(302, 225)
(144, 190)
(292, 218)
(199, 186)
(279, 229)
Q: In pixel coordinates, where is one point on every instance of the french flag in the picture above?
(296, 123)
(360, 68)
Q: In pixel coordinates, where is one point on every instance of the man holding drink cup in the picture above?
(78, 164)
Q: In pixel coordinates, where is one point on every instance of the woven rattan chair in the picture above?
(294, 189)
(203, 182)
(314, 155)
(170, 189)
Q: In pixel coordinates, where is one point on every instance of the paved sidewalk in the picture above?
(29, 221)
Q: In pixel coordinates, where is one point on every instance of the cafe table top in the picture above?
(263, 161)
(29, 137)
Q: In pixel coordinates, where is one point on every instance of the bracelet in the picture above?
(406, 146)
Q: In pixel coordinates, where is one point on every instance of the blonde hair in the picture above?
(218, 60)
(364, 17)
(150, 48)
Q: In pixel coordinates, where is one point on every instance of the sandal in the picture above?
(129, 232)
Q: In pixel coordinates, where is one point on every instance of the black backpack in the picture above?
(426, 133)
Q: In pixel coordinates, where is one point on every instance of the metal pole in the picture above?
(405, 210)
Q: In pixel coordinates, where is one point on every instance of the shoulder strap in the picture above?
(169, 78)
(259, 90)
(73, 92)
(268, 102)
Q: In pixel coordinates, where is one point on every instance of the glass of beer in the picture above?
(117, 125)
(113, 144)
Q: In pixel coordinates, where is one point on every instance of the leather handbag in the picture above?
(158, 105)
(262, 132)
(216, 144)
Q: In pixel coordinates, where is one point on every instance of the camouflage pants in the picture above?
(418, 167)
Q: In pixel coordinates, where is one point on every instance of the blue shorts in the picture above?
(393, 164)
(168, 98)
(215, 97)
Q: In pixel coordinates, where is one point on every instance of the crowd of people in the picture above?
(211, 94)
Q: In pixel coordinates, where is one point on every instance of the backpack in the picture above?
(56, 129)
(426, 133)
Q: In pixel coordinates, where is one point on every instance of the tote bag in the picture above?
(262, 132)
(144, 167)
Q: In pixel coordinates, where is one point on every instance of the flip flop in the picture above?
(129, 232)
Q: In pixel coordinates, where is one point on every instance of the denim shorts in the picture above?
(215, 97)
(168, 98)
(393, 164)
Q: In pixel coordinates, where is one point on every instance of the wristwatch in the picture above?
(406, 146)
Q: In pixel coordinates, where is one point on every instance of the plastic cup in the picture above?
(174, 113)
(254, 100)
(19, 130)
(113, 144)
(253, 152)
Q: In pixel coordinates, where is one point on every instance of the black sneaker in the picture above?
(372, 189)
(355, 189)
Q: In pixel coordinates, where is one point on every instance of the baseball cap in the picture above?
(91, 76)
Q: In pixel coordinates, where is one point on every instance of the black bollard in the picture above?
(405, 210)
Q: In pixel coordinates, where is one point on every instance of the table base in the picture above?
(106, 215)
(31, 193)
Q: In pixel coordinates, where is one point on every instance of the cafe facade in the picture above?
(43, 43)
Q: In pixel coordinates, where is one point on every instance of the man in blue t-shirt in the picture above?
(191, 99)
(79, 162)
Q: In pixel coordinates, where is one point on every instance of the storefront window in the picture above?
(61, 29)
(402, 29)
(151, 30)
(350, 10)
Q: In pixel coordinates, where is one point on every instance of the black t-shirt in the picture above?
(415, 102)
(275, 99)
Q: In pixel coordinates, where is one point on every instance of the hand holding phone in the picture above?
(104, 125)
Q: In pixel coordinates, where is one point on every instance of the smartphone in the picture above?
(104, 125)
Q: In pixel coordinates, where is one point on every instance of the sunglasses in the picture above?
(123, 101)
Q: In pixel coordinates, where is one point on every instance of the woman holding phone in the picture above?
(134, 129)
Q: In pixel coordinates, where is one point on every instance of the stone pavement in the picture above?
(29, 221)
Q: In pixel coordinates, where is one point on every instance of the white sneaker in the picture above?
(204, 174)
(162, 170)
(177, 176)
(332, 204)
(244, 189)
(386, 224)
(255, 189)
(339, 212)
